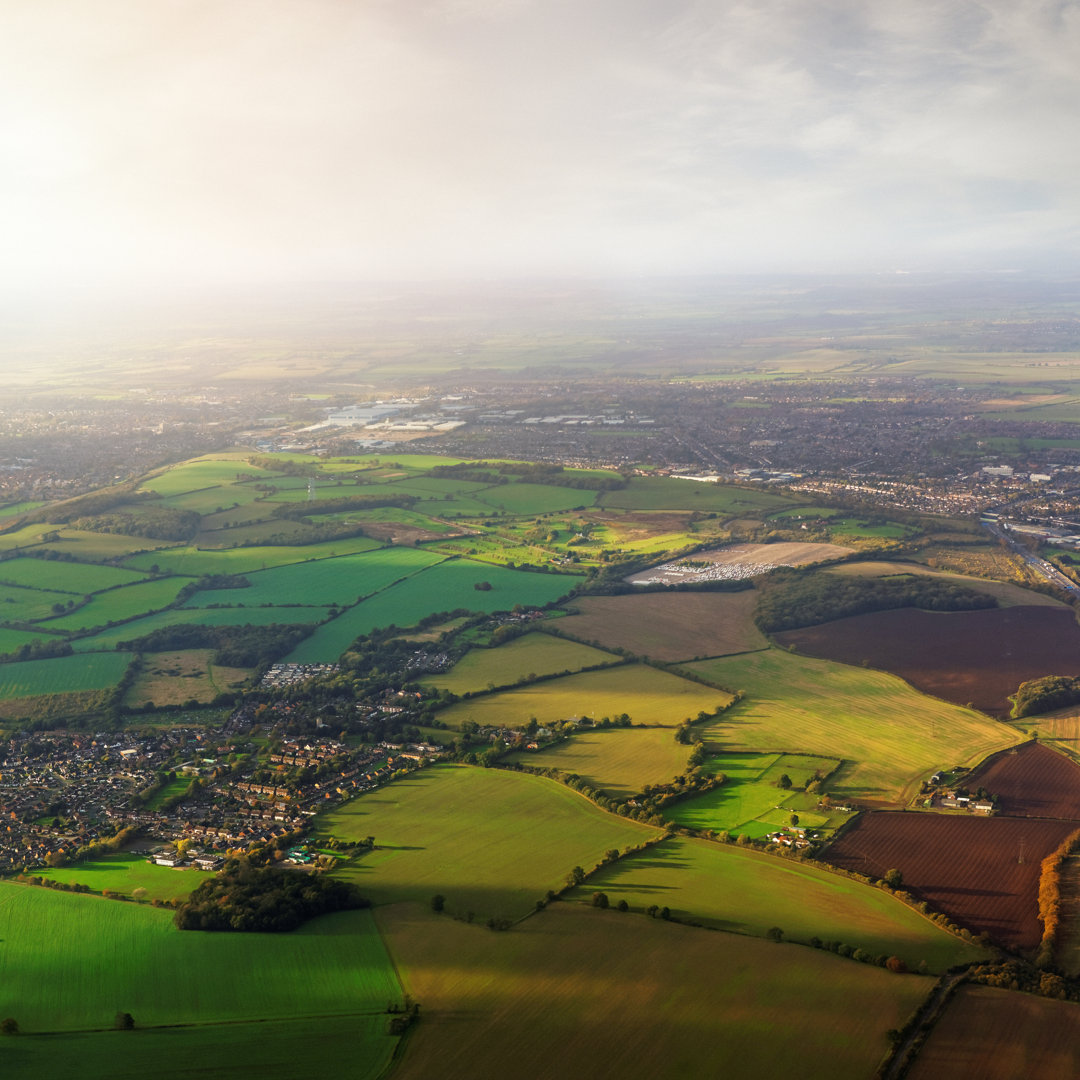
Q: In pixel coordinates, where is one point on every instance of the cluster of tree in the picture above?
(212, 581)
(806, 600)
(1014, 974)
(234, 646)
(153, 522)
(89, 505)
(1050, 897)
(44, 649)
(316, 533)
(261, 898)
(301, 511)
(1041, 695)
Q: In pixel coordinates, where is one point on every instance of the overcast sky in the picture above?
(206, 140)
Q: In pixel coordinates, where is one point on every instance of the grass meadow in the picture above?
(492, 842)
(747, 892)
(667, 493)
(123, 873)
(889, 736)
(576, 991)
(121, 604)
(10, 640)
(79, 578)
(536, 653)
(619, 761)
(649, 695)
(195, 562)
(18, 604)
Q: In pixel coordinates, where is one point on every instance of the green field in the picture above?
(71, 962)
(747, 892)
(100, 547)
(536, 498)
(241, 560)
(666, 493)
(117, 605)
(80, 578)
(341, 580)
(445, 587)
(889, 736)
(208, 472)
(490, 841)
(751, 801)
(617, 761)
(255, 616)
(535, 654)
(853, 527)
(577, 992)
(21, 605)
(124, 872)
(62, 675)
(650, 696)
(282, 1049)
(10, 640)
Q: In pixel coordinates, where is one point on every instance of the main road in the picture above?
(1041, 566)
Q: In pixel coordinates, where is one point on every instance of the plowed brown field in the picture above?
(979, 657)
(968, 867)
(1031, 781)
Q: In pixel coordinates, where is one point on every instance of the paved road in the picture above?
(1041, 566)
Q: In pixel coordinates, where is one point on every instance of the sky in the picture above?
(148, 142)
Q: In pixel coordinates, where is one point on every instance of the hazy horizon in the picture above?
(194, 144)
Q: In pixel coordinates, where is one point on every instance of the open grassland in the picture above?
(535, 498)
(889, 736)
(21, 605)
(174, 678)
(446, 587)
(123, 873)
(976, 657)
(10, 640)
(666, 493)
(121, 604)
(618, 761)
(1000, 1035)
(1007, 594)
(649, 696)
(491, 842)
(668, 626)
(62, 675)
(748, 892)
(105, 640)
(80, 578)
(205, 472)
(751, 801)
(855, 528)
(983, 872)
(101, 547)
(532, 654)
(580, 992)
(71, 962)
(196, 562)
(283, 1049)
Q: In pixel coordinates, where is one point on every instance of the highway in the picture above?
(1041, 566)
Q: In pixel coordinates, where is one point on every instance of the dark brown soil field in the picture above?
(977, 657)
(1001, 1035)
(968, 867)
(1031, 781)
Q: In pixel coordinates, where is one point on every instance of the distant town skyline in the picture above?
(238, 141)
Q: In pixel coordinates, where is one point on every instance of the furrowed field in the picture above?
(581, 992)
(491, 842)
(747, 892)
(889, 736)
(71, 962)
(537, 654)
(650, 696)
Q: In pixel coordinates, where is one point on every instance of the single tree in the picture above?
(438, 902)
(124, 1022)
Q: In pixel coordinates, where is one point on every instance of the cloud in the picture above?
(311, 138)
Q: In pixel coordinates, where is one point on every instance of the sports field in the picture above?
(648, 695)
(532, 654)
(618, 761)
(123, 873)
(71, 962)
(580, 992)
(889, 736)
(490, 841)
(732, 888)
(668, 626)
